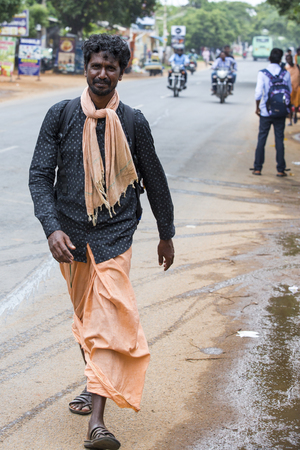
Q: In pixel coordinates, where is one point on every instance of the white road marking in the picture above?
(138, 106)
(9, 200)
(8, 148)
(28, 287)
(166, 114)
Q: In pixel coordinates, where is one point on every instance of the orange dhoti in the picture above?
(108, 329)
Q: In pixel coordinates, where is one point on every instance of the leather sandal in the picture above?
(84, 399)
(281, 174)
(101, 438)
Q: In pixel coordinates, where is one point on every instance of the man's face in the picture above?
(222, 56)
(227, 50)
(289, 59)
(180, 52)
(103, 73)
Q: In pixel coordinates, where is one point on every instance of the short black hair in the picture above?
(276, 55)
(110, 43)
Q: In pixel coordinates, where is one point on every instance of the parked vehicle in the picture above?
(154, 68)
(177, 77)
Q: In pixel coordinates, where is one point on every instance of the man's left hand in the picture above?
(166, 253)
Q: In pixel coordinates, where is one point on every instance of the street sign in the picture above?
(19, 26)
(178, 30)
(29, 56)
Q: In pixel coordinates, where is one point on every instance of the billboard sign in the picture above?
(19, 26)
(66, 54)
(7, 55)
(29, 56)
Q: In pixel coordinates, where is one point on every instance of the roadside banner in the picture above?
(7, 55)
(29, 57)
(66, 55)
(79, 62)
(19, 26)
(178, 33)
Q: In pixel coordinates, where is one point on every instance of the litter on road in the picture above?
(252, 334)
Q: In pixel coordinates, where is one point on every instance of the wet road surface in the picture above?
(236, 257)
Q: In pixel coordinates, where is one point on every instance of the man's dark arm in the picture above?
(42, 174)
(257, 111)
(41, 185)
(157, 189)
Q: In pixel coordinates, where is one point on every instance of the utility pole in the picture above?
(165, 32)
(44, 31)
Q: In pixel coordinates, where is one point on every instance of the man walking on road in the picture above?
(89, 219)
(268, 114)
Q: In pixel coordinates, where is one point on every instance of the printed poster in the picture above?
(19, 26)
(29, 57)
(7, 55)
(178, 33)
(66, 55)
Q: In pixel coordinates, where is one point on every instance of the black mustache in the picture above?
(95, 81)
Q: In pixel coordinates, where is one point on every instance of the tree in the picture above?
(8, 8)
(38, 14)
(289, 8)
(208, 28)
(285, 33)
(80, 14)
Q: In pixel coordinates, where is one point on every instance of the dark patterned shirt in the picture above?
(57, 210)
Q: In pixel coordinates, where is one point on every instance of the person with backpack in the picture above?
(272, 97)
(102, 149)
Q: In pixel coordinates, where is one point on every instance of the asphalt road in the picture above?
(228, 228)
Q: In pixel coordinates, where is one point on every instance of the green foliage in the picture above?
(79, 14)
(38, 14)
(209, 28)
(8, 8)
(289, 8)
(214, 24)
(285, 33)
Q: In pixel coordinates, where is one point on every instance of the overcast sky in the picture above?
(184, 2)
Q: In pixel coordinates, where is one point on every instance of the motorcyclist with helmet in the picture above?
(193, 56)
(223, 62)
(179, 59)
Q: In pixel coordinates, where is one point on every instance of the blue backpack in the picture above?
(279, 96)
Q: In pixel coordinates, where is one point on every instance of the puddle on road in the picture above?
(290, 243)
(277, 374)
(264, 388)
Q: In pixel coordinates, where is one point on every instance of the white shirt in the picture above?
(228, 63)
(180, 60)
(263, 85)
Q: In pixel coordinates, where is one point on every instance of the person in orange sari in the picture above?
(294, 71)
(90, 225)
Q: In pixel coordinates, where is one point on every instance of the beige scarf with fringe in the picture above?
(105, 188)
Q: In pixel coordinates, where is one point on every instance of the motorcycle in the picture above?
(224, 85)
(176, 79)
(192, 67)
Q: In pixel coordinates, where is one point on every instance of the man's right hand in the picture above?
(59, 244)
(257, 112)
